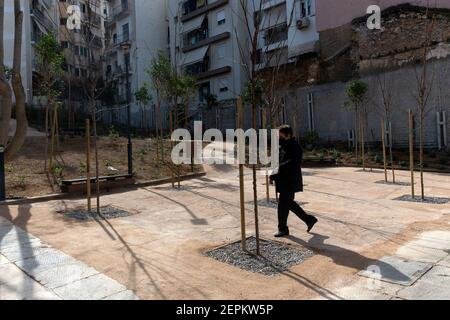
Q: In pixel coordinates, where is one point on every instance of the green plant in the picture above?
(377, 159)
(9, 168)
(113, 134)
(20, 181)
(58, 171)
(142, 153)
(107, 163)
(82, 167)
(403, 164)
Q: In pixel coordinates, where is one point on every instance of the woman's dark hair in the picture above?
(287, 130)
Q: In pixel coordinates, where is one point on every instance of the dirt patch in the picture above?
(26, 176)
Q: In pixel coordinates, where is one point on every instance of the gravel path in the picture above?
(275, 257)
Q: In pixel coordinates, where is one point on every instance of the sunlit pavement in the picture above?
(367, 245)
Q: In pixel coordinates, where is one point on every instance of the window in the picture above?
(204, 91)
(276, 34)
(303, 8)
(221, 18)
(126, 32)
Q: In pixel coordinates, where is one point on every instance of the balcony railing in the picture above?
(192, 38)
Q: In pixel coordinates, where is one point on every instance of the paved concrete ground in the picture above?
(157, 254)
(30, 269)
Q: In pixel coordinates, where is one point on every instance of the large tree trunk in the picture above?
(5, 89)
(19, 92)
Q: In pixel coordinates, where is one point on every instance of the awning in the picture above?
(195, 55)
(193, 24)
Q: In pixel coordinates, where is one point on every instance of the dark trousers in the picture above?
(286, 203)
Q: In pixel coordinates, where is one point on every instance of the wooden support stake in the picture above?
(411, 150)
(240, 125)
(264, 125)
(88, 165)
(171, 145)
(383, 139)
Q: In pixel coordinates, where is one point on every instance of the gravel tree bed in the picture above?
(390, 183)
(418, 199)
(275, 257)
(106, 212)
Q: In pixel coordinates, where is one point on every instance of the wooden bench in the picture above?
(106, 183)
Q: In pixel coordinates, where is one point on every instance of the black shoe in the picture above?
(282, 234)
(311, 224)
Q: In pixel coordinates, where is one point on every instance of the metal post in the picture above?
(2, 174)
(129, 145)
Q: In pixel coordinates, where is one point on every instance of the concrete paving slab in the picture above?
(13, 236)
(93, 288)
(51, 259)
(10, 274)
(64, 274)
(124, 295)
(434, 239)
(438, 275)
(25, 289)
(397, 270)
(361, 293)
(435, 285)
(4, 222)
(445, 262)
(416, 252)
(3, 260)
(25, 251)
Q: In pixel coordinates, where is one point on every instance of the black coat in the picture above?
(288, 177)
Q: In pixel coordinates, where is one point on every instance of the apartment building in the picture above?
(135, 31)
(288, 30)
(205, 37)
(8, 34)
(82, 47)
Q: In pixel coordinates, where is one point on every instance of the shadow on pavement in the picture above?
(348, 258)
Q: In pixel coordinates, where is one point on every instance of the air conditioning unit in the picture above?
(303, 23)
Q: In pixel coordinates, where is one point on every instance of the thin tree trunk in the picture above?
(97, 172)
(422, 183)
(383, 139)
(391, 155)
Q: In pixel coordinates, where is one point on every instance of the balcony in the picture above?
(191, 10)
(41, 18)
(201, 70)
(121, 11)
(118, 72)
(206, 41)
(117, 40)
